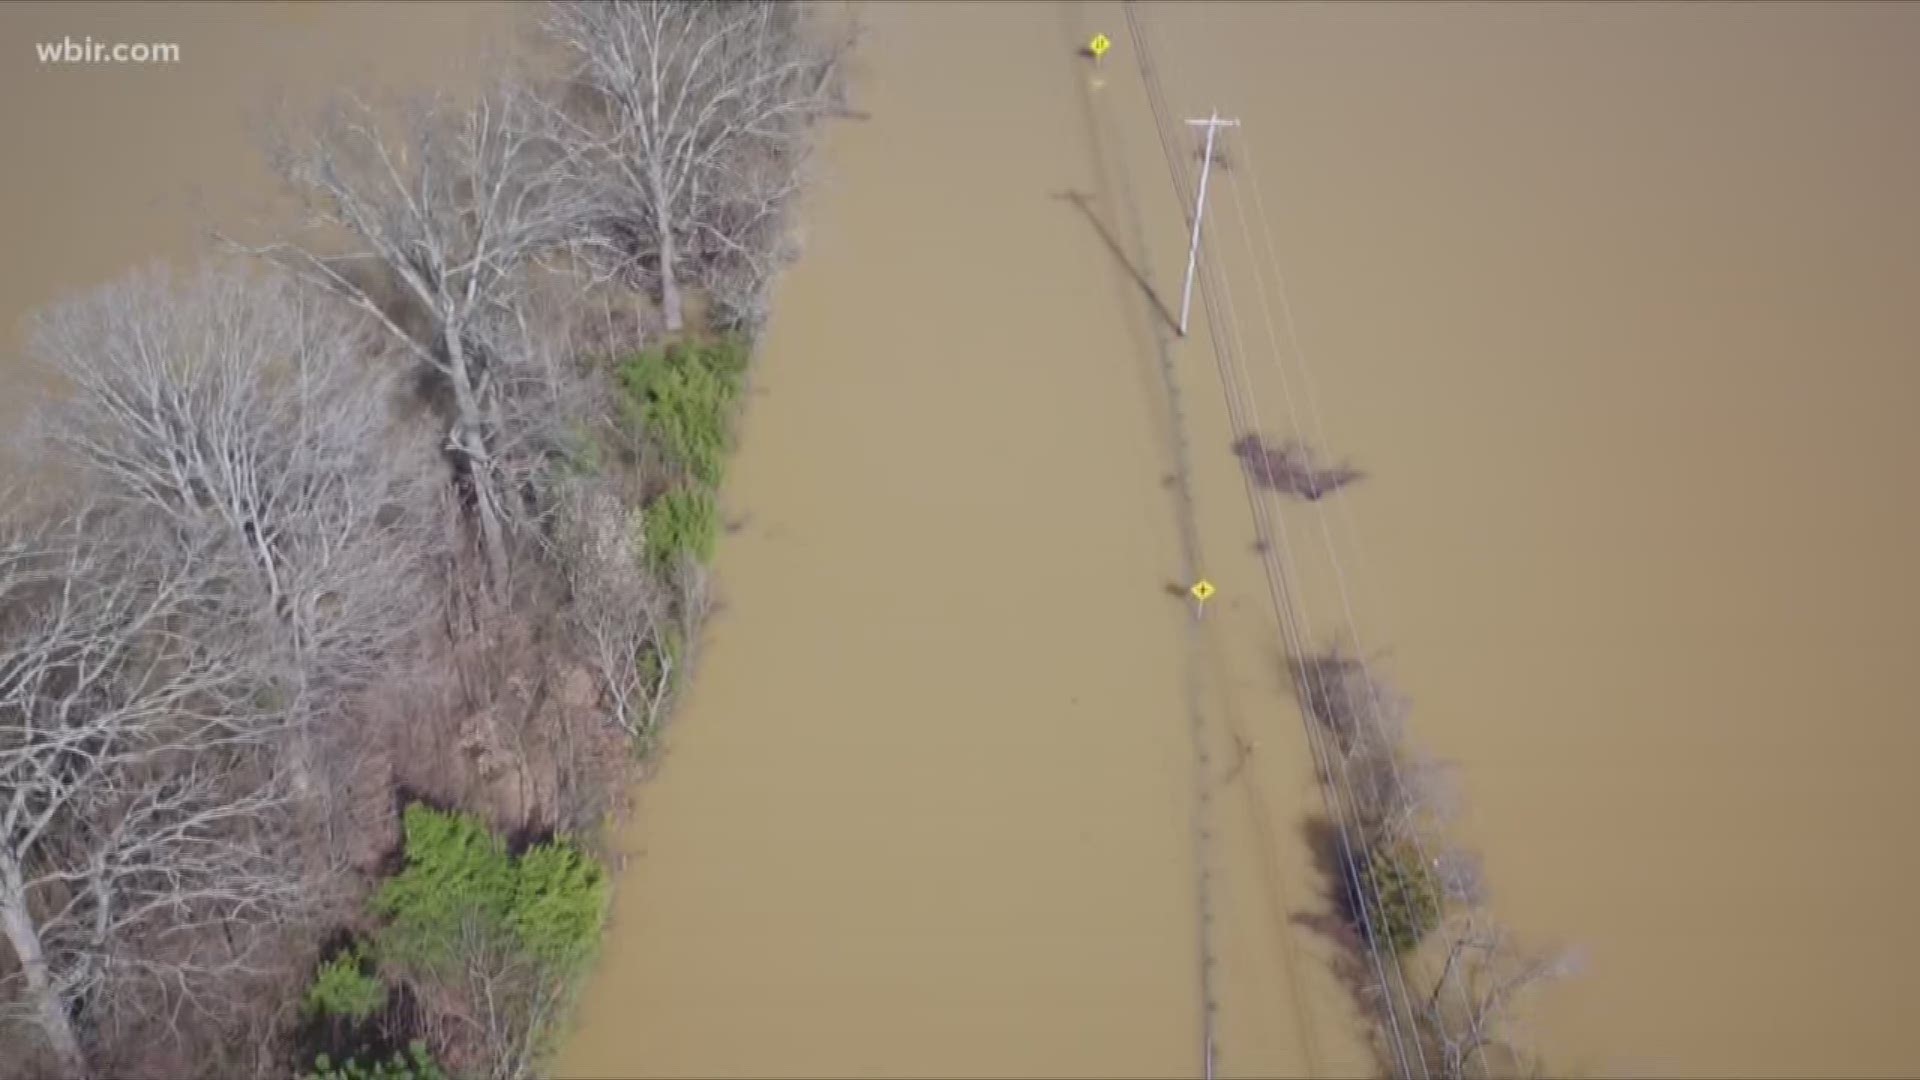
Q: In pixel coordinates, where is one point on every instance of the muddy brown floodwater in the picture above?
(928, 807)
(1614, 305)
(111, 166)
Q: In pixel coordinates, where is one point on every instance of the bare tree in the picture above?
(442, 211)
(1395, 792)
(686, 131)
(505, 1000)
(138, 801)
(239, 420)
(556, 409)
(1351, 701)
(621, 620)
(1469, 1031)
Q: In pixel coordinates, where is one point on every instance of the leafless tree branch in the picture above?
(685, 130)
(621, 620)
(440, 211)
(138, 793)
(238, 420)
(1469, 1031)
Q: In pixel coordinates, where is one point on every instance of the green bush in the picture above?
(415, 1064)
(682, 522)
(688, 415)
(549, 902)
(455, 870)
(683, 398)
(344, 987)
(559, 900)
(1406, 895)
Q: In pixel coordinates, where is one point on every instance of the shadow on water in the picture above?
(1084, 203)
(1335, 922)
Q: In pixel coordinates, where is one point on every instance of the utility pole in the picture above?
(1212, 124)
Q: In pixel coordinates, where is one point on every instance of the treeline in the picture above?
(362, 565)
(1442, 981)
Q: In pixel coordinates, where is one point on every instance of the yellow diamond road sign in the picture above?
(1201, 590)
(1099, 46)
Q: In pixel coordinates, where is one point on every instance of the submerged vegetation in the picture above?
(427, 535)
(1443, 981)
(1293, 468)
(1404, 892)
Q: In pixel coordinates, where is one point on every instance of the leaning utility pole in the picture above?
(1212, 124)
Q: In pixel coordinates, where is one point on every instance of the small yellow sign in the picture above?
(1201, 590)
(1099, 46)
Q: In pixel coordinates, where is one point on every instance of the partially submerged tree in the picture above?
(441, 211)
(139, 868)
(1394, 804)
(1468, 1015)
(1293, 468)
(1350, 700)
(685, 132)
(1393, 791)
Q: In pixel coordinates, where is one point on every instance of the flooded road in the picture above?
(1612, 304)
(1615, 305)
(929, 808)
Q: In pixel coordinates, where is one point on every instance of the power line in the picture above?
(1298, 629)
(1374, 706)
(1333, 766)
(1396, 1036)
(1291, 621)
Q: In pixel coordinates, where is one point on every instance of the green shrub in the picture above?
(416, 1064)
(549, 902)
(689, 417)
(1407, 897)
(682, 522)
(559, 900)
(456, 870)
(344, 987)
(683, 398)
